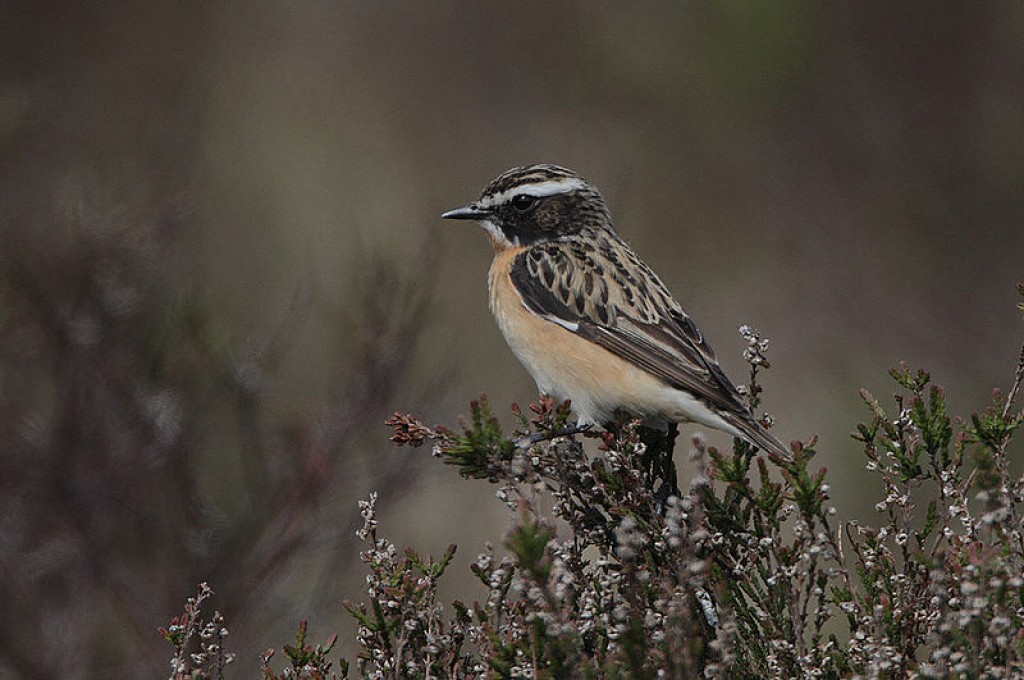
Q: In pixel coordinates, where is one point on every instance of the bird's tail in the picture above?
(754, 432)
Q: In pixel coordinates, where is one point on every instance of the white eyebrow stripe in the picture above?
(539, 189)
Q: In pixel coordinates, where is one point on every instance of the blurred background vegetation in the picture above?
(222, 266)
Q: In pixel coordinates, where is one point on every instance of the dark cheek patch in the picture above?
(547, 218)
(552, 217)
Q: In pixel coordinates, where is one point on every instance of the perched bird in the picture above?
(587, 318)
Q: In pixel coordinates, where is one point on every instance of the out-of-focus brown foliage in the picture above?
(193, 336)
(138, 455)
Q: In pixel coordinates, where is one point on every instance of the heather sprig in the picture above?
(198, 642)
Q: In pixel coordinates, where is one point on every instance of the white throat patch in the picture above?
(497, 235)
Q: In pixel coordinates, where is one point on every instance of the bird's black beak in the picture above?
(466, 212)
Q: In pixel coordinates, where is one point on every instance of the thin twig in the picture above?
(1018, 378)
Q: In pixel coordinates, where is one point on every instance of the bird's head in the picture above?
(536, 203)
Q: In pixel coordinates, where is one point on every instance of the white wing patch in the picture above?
(568, 325)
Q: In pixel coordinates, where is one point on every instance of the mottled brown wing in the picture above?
(600, 290)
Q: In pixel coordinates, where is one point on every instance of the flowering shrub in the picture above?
(612, 571)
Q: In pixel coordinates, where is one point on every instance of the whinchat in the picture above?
(587, 318)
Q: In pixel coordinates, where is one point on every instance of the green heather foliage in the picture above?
(611, 571)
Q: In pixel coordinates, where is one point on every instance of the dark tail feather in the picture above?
(754, 433)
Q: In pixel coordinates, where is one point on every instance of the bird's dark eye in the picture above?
(523, 202)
